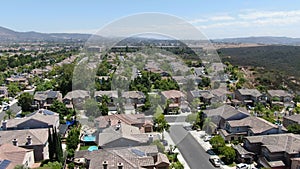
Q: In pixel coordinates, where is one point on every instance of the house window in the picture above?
(232, 138)
(237, 129)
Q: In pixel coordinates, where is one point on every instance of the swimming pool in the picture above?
(89, 138)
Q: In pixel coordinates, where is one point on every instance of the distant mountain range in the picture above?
(8, 35)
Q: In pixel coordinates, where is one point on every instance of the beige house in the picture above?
(44, 99)
(222, 114)
(146, 157)
(134, 98)
(137, 120)
(280, 97)
(249, 96)
(76, 98)
(249, 126)
(123, 135)
(276, 151)
(16, 156)
(175, 97)
(112, 96)
(33, 139)
(3, 92)
(40, 119)
(293, 119)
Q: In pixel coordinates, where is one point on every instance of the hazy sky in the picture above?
(216, 19)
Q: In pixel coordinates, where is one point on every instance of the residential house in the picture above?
(276, 151)
(3, 92)
(33, 139)
(44, 99)
(209, 97)
(134, 98)
(280, 97)
(174, 98)
(17, 79)
(76, 98)
(293, 119)
(249, 96)
(137, 120)
(242, 155)
(39, 119)
(123, 135)
(249, 126)
(146, 157)
(112, 98)
(224, 113)
(15, 156)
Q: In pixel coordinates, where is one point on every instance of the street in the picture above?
(190, 149)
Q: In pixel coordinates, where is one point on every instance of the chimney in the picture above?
(104, 164)
(109, 122)
(29, 140)
(4, 126)
(15, 142)
(279, 128)
(150, 138)
(120, 165)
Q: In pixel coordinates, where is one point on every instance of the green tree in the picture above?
(228, 154)
(217, 142)
(60, 108)
(9, 114)
(50, 145)
(91, 107)
(294, 128)
(25, 101)
(161, 123)
(198, 124)
(13, 89)
(208, 126)
(52, 165)
(160, 146)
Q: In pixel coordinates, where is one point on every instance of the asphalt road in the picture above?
(192, 152)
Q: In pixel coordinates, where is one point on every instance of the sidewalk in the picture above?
(179, 156)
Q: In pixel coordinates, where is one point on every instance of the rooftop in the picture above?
(279, 93)
(172, 94)
(288, 142)
(250, 92)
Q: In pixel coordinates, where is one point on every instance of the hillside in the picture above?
(7, 35)
(282, 63)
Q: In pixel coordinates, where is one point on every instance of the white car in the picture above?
(215, 160)
(242, 166)
(207, 138)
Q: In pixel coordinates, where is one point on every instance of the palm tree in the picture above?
(9, 114)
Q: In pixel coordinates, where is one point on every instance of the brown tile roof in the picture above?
(77, 94)
(172, 94)
(288, 142)
(38, 136)
(295, 118)
(257, 125)
(130, 119)
(162, 158)
(48, 119)
(13, 153)
(278, 93)
(113, 94)
(226, 111)
(133, 95)
(132, 157)
(251, 92)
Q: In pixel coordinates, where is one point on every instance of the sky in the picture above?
(215, 19)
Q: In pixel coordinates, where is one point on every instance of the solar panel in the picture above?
(4, 164)
(138, 152)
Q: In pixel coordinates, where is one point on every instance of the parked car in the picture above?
(165, 142)
(215, 160)
(242, 166)
(210, 152)
(207, 138)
